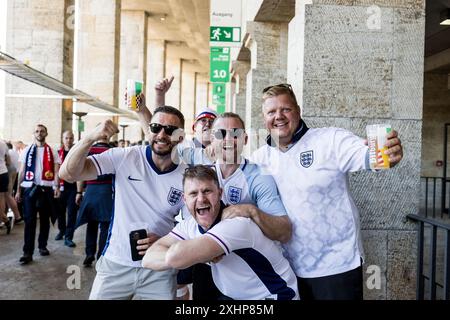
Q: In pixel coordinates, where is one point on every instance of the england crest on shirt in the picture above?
(234, 195)
(307, 158)
(174, 196)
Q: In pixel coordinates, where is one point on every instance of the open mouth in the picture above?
(280, 125)
(203, 210)
(162, 143)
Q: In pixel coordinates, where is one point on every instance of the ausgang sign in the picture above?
(226, 19)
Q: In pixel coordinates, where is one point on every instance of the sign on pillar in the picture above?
(219, 96)
(225, 34)
(220, 64)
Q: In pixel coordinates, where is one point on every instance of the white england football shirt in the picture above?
(253, 267)
(313, 183)
(192, 153)
(247, 185)
(144, 197)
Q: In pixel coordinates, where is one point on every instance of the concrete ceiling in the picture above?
(186, 26)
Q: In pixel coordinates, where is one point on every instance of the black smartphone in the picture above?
(134, 237)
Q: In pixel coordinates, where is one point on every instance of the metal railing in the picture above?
(435, 200)
(432, 258)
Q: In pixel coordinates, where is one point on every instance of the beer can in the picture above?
(377, 137)
(134, 89)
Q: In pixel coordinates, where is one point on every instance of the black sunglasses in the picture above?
(281, 85)
(234, 133)
(156, 128)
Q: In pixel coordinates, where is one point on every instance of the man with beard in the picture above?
(192, 151)
(148, 195)
(38, 175)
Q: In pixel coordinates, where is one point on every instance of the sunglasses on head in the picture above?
(281, 85)
(156, 128)
(234, 133)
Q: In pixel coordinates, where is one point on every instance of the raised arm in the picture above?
(77, 166)
(161, 89)
(143, 112)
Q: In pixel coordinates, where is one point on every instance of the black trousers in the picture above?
(67, 201)
(91, 237)
(342, 286)
(203, 287)
(37, 199)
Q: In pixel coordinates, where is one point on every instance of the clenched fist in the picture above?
(104, 130)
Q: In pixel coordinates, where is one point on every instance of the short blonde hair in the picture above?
(278, 90)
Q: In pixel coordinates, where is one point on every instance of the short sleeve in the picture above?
(23, 155)
(107, 162)
(180, 231)
(233, 234)
(264, 190)
(350, 151)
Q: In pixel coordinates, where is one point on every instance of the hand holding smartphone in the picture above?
(134, 237)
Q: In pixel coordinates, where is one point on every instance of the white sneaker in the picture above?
(10, 216)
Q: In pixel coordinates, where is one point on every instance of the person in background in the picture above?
(38, 175)
(13, 168)
(66, 201)
(4, 180)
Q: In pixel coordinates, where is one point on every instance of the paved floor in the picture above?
(45, 277)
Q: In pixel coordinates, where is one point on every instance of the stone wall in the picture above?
(35, 34)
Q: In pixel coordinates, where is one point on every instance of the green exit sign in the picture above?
(224, 34)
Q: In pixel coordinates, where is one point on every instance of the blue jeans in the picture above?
(67, 201)
(91, 237)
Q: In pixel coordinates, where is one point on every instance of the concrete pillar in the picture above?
(267, 43)
(156, 65)
(360, 66)
(173, 68)
(133, 59)
(240, 70)
(188, 85)
(35, 34)
(201, 95)
(97, 56)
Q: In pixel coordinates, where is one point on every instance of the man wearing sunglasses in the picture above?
(310, 167)
(147, 197)
(190, 151)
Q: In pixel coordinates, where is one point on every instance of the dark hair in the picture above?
(171, 110)
(9, 144)
(230, 115)
(201, 172)
(42, 126)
